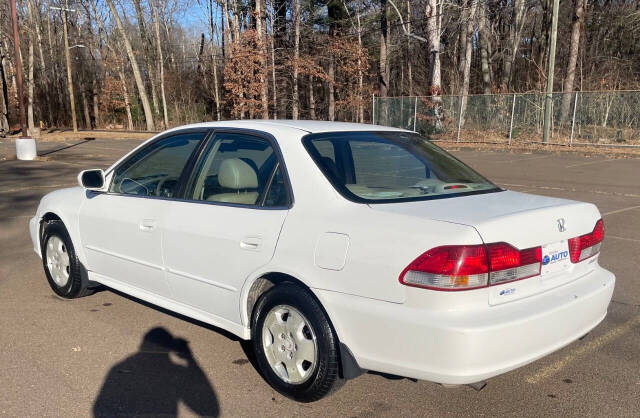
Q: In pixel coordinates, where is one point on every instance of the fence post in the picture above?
(415, 113)
(573, 120)
(459, 120)
(373, 109)
(513, 109)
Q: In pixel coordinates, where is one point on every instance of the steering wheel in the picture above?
(166, 186)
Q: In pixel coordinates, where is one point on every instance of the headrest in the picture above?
(237, 174)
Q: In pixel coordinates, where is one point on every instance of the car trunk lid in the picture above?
(520, 219)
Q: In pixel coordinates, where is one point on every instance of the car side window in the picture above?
(156, 169)
(235, 168)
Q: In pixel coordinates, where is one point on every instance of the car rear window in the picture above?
(382, 167)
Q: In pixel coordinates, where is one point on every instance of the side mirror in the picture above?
(91, 179)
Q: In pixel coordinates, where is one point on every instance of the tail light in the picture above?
(588, 245)
(508, 263)
(464, 267)
(452, 267)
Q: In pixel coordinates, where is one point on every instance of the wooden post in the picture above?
(513, 109)
(573, 119)
(16, 44)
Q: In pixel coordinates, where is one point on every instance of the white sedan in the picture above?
(335, 248)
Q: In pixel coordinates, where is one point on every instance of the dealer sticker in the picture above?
(555, 258)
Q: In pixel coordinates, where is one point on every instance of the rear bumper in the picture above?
(455, 347)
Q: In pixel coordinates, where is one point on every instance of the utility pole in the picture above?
(25, 145)
(16, 44)
(67, 55)
(548, 101)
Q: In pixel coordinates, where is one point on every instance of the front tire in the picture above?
(294, 344)
(61, 265)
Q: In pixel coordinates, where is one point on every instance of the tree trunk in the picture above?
(296, 57)
(261, 27)
(85, 109)
(67, 53)
(127, 103)
(467, 57)
(30, 81)
(165, 115)
(433, 29)
(484, 47)
(515, 30)
(360, 74)
(4, 121)
(332, 90)
(384, 75)
(212, 31)
(148, 114)
(44, 74)
(97, 121)
(409, 52)
(146, 49)
(312, 100)
(273, 68)
(578, 21)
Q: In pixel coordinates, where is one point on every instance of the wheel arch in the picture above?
(51, 214)
(44, 219)
(349, 367)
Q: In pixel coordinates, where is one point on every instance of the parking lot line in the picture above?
(621, 210)
(608, 160)
(517, 160)
(555, 367)
(623, 238)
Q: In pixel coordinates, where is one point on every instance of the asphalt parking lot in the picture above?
(68, 358)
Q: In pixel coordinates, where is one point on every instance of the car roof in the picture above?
(310, 126)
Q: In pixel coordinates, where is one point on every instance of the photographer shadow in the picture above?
(154, 380)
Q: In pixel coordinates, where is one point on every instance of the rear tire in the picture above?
(61, 265)
(294, 344)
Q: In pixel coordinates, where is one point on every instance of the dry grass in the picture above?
(531, 142)
(100, 134)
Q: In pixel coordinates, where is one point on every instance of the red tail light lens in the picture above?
(588, 245)
(508, 263)
(463, 267)
(451, 267)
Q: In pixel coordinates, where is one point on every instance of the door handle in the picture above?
(147, 225)
(251, 243)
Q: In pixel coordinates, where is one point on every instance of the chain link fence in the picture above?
(609, 118)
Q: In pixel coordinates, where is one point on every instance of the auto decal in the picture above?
(552, 258)
(509, 291)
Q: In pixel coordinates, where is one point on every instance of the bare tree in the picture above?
(515, 32)
(148, 114)
(578, 21)
(468, 46)
(484, 47)
(296, 60)
(261, 27)
(385, 71)
(161, 68)
(30, 80)
(146, 49)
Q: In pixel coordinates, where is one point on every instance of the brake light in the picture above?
(508, 263)
(588, 245)
(464, 267)
(450, 267)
